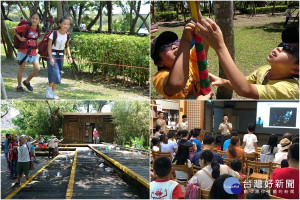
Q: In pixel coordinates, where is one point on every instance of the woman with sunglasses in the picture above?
(279, 80)
(177, 76)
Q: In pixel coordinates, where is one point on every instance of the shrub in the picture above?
(264, 10)
(113, 49)
(166, 16)
(9, 25)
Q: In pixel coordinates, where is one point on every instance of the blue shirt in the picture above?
(6, 145)
(171, 146)
(198, 144)
(226, 144)
(195, 160)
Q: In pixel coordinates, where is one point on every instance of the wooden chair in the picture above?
(252, 156)
(203, 194)
(156, 154)
(275, 165)
(227, 161)
(185, 169)
(196, 168)
(221, 153)
(256, 169)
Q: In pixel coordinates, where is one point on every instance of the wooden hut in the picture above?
(78, 127)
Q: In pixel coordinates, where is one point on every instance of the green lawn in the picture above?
(253, 43)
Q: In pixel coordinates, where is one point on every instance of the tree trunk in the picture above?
(81, 6)
(100, 17)
(3, 11)
(109, 15)
(273, 9)
(137, 11)
(59, 9)
(48, 8)
(75, 17)
(65, 8)
(3, 93)
(33, 7)
(22, 10)
(223, 17)
(94, 20)
(6, 40)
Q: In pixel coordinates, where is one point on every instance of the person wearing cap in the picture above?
(278, 80)
(51, 146)
(289, 176)
(178, 74)
(23, 159)
(283, 151)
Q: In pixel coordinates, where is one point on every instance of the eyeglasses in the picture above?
(168, 47)
(289, 49)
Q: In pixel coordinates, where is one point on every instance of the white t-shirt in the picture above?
(205, 182)
(61, 40)
(23, 153)
(181, 175)
(51, 143)
(249, 139)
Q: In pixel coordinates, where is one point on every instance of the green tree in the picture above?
(35, 116)
(131, 119)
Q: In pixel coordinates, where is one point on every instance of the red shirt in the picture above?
(95, 133)
(285, 183)
(32, 33)
(176, 194)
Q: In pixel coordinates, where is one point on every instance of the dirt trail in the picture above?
(73, 86)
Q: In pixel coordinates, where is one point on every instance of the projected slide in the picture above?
(277, 115)
(283, 117)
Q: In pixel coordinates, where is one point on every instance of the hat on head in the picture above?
(285, 144)
(164, 38)
(22, 137)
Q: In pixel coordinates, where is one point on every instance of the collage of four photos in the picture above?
(150, 99)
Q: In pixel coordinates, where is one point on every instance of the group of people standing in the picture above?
(20, 154)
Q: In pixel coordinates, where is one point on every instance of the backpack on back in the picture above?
(43, 45)
(17, 42)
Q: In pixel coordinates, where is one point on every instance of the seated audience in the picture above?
(227, 142)
(168, 144)
(182, 158)
(289, 176)
(155, 144)
(286, 135)
(208, 144)
(268, 151)
(217, 189)
(196, 139)
(156, 132)
(218, 143)
(235, 152)
(210, 170)
(163, 187)
(283, 151)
